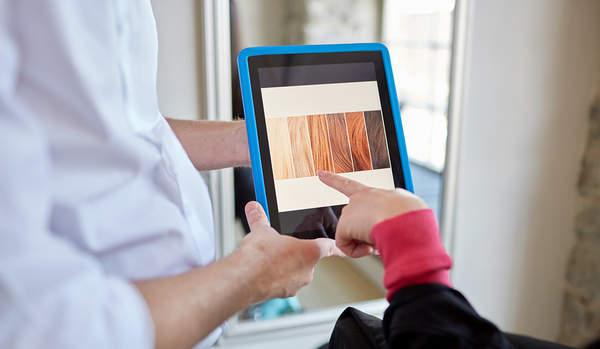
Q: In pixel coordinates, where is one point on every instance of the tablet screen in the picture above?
(325, 111)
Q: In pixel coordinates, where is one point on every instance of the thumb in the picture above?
(257, 218)
(328, 248)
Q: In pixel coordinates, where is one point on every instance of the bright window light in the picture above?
(419, 37)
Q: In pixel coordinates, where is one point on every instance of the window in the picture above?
(419, 37)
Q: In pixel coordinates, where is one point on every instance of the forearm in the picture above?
(188, 307)
(213, 144)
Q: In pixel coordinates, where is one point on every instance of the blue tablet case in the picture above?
(248, 102)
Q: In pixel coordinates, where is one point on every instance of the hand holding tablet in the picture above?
(324, 107)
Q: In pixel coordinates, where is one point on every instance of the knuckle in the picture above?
(315, 255)
(341, 228)
(251, 221)
(371, 191)
(308, 278)
(253, 217)
(346, 182)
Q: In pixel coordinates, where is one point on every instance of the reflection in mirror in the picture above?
(418, 35)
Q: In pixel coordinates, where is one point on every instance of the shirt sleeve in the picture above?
(52, 294)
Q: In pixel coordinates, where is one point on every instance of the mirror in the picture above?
(419, 37)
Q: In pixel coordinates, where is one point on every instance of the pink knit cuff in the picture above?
(411, 251)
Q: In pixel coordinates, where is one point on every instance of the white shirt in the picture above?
(95, 189)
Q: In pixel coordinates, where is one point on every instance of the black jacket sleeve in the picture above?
(436, 316)
(428, 316)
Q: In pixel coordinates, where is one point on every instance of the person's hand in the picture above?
(281, 264)
(367, 207)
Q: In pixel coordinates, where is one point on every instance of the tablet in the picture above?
(328, 107)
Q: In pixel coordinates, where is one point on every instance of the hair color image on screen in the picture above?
(279, 146)
(377, 142)
(319, 141)
(359, 146)
(340, 148)
(301, 152)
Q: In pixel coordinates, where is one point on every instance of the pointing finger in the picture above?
(256, 216)
(344, 185)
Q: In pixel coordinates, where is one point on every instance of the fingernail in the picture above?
(322, 173)
(252, 207)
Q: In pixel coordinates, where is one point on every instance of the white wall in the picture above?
(260, 22)
(179, 90)
(533, 69)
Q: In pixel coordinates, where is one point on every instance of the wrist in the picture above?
(401, 204)
(249, 262)
(241, 141)
(411, 250)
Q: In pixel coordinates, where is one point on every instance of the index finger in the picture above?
(344, 185)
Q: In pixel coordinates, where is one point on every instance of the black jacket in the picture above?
(428, 316)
